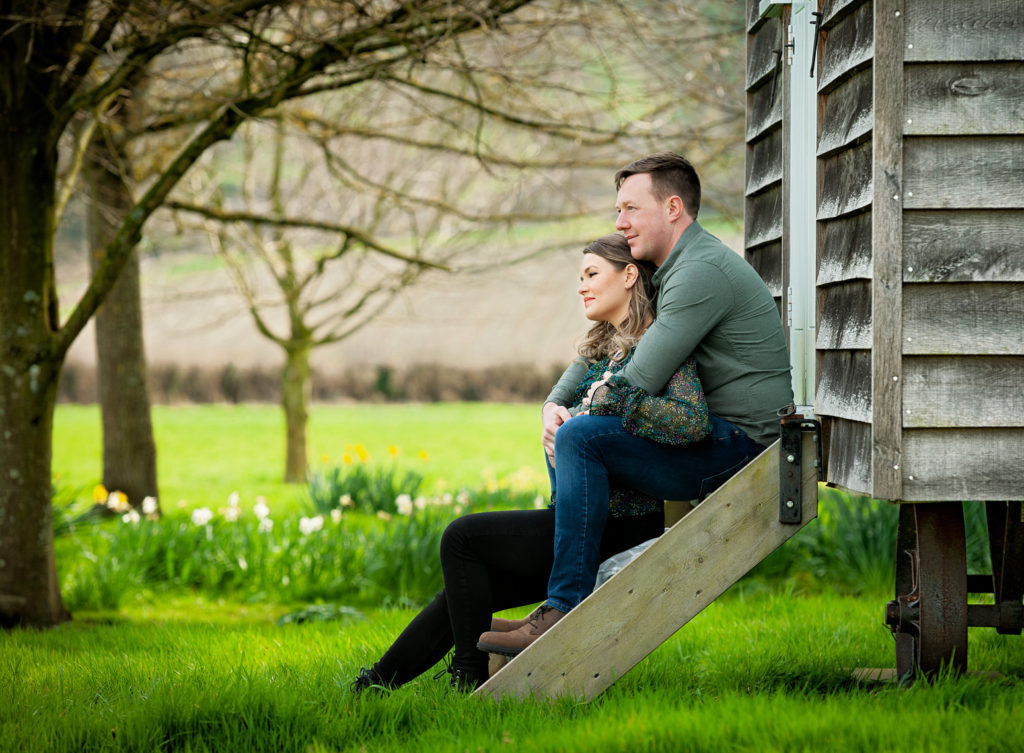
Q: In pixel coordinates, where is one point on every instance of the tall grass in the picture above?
(751, 673)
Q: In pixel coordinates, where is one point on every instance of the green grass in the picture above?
(204, 453)
(195, 661)
(768, 671)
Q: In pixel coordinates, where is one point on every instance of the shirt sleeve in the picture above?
(677, 416)
(692, 300)
(565, 387)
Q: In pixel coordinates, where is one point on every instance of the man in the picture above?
(711, 303)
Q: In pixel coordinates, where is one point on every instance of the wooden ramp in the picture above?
(682, 572)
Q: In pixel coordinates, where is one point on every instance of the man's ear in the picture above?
(674, 207)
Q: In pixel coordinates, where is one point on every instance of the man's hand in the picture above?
(553, 415)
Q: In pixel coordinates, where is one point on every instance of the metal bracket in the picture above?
(791, 465)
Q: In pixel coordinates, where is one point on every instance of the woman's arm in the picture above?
(679, 415)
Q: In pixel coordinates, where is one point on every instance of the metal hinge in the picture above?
(791, 465)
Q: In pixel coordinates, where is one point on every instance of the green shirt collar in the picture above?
(686, 239)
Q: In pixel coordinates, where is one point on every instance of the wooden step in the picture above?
(665, 587)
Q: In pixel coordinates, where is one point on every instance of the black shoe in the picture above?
(461, 679)
(366, 680)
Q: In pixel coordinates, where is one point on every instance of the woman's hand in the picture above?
(585, 404)
(553, 415)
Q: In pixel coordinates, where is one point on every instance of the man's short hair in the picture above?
(671, 175)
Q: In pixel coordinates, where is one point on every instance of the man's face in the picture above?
(644, 220)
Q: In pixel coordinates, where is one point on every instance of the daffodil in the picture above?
(403, 503)
(132, 516)
(201, 516)
(361, 453)
(118, 502)
(424, 456)
(150, 506)
(266, 525)
(99, 494)
(336, 515)
(310, 525)
(392, 451)
(260, 509)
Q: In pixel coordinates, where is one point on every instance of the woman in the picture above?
(493, 561)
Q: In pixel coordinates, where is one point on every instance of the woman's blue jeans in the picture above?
(593, 451)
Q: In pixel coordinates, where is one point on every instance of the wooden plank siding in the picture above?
(964, 30)
(764, 204)
(955, 464)
(920, 273)
(963, 246)
(962, 99)
(957, 319)
(962, 393)
(887, 252)
(844, 219)
(964, 172)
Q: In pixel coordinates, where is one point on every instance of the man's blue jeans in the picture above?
(590, 452)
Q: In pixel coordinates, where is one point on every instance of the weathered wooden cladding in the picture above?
(764, 48)
(764, 206)
(955, 464)
(848, 46)
(844, 385)
(767, 260)
(849, 454)
(887, 250)
(848, 114)
(763, 112)
(965, 392)
(763, 218)
(956, 99)
(833, 10)
(844, 320)
(969, 30)
(845, 182)
(963, 172)
(845, 249)
(954, 319)
(963, 246)
(764, 161)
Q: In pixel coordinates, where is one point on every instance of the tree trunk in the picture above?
(296, 388)
(129, 450)
(30, 364)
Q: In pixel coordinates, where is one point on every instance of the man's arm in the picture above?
(694, 298)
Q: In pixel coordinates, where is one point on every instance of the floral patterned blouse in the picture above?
(677, 416)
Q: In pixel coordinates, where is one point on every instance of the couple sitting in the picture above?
(625, 427)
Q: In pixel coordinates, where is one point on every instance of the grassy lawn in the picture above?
(201, 665)
(762, 670)
(204, 453)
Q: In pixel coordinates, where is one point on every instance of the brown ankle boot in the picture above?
(513, 642)
(501, 625)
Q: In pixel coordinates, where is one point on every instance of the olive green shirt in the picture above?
(711, 303)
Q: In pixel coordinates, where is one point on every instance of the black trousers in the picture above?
(491, 561)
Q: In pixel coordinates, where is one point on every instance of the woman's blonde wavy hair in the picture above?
(604, 340)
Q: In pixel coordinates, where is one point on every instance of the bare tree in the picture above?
(60, 62)
(491, 134)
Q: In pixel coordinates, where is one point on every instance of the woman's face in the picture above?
(606, 290)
